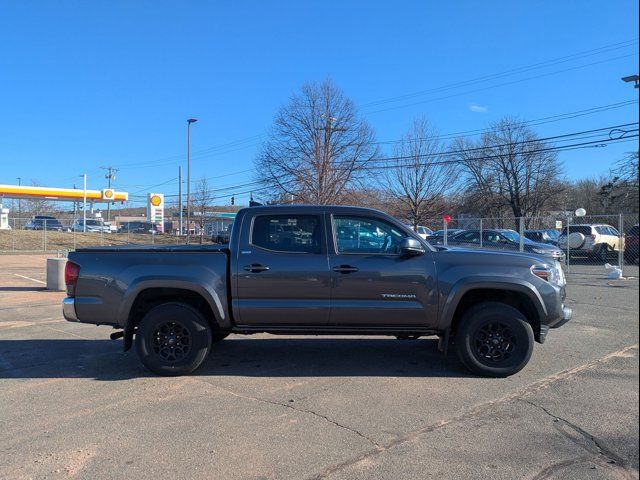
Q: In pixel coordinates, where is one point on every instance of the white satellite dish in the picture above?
(581, 212)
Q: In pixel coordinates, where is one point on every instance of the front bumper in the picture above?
(69, 309)
(567, 313)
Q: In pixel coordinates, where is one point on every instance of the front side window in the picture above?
(287, 233)
(366, 235)
(469, 237)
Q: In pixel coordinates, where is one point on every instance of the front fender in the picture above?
(461, 287)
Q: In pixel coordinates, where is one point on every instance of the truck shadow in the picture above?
(22, 289)
(236, 356)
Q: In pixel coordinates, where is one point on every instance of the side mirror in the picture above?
(411, 247)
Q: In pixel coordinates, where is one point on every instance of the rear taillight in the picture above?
(71, 271)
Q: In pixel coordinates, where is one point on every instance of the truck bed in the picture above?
(155, 248)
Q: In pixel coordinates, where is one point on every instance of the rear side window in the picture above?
(287, 233)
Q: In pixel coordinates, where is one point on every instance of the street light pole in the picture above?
(189, 122)
(19, 201)
(180, 231)
(635, 79)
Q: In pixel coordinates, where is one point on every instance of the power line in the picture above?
(546, 63)
(513, 82)
(556, 138)
(249, 141)
(534, 122)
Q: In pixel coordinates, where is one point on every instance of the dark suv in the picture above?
(43, 222)
(503, 239)
(631, 245)
(137, 227)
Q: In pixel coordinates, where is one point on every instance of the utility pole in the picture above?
(180, 231)
(189, 122)
(111, 175)
(328, 130)
(19, 201)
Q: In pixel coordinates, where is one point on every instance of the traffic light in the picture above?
(233, 200)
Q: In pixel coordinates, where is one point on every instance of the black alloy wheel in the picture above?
(173, 339)
(494, 339)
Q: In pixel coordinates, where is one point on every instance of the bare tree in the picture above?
(620, 192)
(201, 200)
(509, 167)
(36, 206)
(585, 193)
(420, 175)
(318, 147)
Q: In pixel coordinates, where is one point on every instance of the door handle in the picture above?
(345, 269)
(255, 268)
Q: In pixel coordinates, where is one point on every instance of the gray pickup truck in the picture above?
(317, 270)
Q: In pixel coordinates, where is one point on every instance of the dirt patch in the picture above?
(33, 241)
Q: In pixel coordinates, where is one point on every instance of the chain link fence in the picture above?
(593, 244)
(39, 234)
(584, 245)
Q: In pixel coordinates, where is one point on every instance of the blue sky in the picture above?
(91, 84)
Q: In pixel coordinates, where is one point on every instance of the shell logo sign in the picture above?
(108, 194)
(155, 210)
(156, 200)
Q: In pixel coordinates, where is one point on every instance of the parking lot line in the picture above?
(29, 278)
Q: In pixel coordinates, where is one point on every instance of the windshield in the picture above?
(92, 223)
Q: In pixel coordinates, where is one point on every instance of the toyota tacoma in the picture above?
(316, 270)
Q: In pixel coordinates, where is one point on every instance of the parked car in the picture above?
(631, 249)
(137, 227)
(93, 225)
(175, 301)
(504, 239)
(595, 241)
(549, 236)
(424, 232)
(437, 237)
(223, 236)
(42, 222)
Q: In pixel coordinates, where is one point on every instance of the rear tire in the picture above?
(494, 340)
(603, 253)
(173, 339)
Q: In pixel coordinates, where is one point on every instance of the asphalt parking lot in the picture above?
(73, 405)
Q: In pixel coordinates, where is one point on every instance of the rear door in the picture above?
(372, 284)
(282, 274)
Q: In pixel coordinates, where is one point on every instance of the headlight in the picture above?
(552, 274)
(541, 252)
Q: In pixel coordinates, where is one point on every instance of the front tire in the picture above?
(173, 339)
(603, 253)
(218, 336)
(494, 340)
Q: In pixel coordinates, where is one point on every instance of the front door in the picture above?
(372, 283)
(282, 272)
